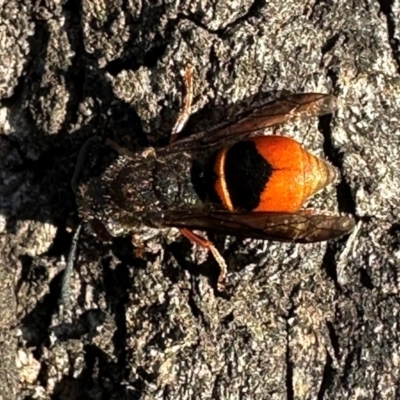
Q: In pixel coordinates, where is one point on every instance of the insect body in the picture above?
(229, 180)
(264, 178)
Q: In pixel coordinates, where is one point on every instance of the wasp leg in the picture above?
(187, 104)
(98, 229)
(139, 240)
(122, 151)
(203, 242)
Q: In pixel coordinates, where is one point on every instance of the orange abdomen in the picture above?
(269, 173)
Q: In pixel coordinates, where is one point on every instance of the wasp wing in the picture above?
(300, 227)
(279, 111)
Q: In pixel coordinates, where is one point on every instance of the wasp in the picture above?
(231, 180)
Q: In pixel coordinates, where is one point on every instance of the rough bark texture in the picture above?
(300, 322)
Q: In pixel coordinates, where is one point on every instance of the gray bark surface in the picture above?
(301, 321)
